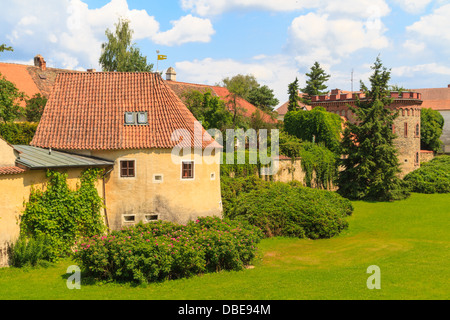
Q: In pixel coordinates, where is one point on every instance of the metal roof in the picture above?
(39, 158)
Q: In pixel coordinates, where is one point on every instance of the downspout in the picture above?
(104, 196)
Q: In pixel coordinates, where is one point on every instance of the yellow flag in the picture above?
(162, 57)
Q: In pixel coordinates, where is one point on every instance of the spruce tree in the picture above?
(293, 96)
(315, 85)
(370, 163)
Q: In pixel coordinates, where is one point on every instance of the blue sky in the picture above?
(276, 41)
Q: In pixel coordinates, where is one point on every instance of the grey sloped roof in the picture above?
(39, 158)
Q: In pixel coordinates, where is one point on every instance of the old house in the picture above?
(133, 120)
(160, 164)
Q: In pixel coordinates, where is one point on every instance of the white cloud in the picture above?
(74, 32)
(320, 37)
(186, 29)
(414, 46)
(434, 26)
(413, 6)
(362, 8)
(274, 71)
(412, 71)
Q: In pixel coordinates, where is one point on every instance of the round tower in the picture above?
(406, 126)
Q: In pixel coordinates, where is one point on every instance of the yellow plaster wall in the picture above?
(173, 199)
(14, 191)
(7, 157)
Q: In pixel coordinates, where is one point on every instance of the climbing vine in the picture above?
(62, 215)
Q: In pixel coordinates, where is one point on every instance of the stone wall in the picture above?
(426, 156)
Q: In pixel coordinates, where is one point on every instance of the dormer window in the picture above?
(142, 118)
(136, 118)
(129, 118)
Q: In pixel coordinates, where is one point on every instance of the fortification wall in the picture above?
(406, 126)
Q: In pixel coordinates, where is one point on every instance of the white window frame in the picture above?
(158, 181)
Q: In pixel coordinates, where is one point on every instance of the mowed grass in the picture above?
(408, 240)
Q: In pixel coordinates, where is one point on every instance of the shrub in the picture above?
(164, 250)
(431, 177)
(282, 209)
(18, 133)
(27, 251)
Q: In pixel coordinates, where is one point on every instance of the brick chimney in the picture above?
(40, 62)
(91, 70)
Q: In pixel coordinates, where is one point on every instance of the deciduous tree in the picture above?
(120, 54)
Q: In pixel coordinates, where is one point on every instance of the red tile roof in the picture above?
(283, 109)
(86, 111)
(435, 98)
(30, 79)
(247, 108)
(11, 170)
(19, 75)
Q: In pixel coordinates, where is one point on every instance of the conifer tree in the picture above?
(315, 85)
(293, 96)
(370, 164)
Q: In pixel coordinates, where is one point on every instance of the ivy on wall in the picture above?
(62, 215)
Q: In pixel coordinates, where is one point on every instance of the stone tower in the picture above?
(406, 126)
(171, 75)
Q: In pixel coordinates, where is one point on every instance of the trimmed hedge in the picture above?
(164, 250)
(286, 209)
(431, 177)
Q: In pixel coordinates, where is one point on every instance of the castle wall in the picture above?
(406, 126)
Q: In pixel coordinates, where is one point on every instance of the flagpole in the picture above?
(157, 60)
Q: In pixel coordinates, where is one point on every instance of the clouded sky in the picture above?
(275, 40)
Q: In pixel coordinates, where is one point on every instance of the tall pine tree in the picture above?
(370, 163)
(294, 98)
(315, 85)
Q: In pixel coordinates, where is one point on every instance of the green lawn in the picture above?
(409, 240)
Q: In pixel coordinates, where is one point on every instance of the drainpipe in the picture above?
(104, 196)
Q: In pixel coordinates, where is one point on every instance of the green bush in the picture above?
(431, 177)
(27, 251)
(282, 209)
(18, 133)
(164, 250)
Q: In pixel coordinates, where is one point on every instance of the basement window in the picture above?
(127, 168)
(129, 218)
(151, 217)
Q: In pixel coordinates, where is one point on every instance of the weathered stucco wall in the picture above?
(14, 191)
(170, 199)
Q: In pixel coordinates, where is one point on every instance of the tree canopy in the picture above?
(120, 54)
(317, 126)
(370, 164)
(431, 126)
(315, 84)
(10, 98)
